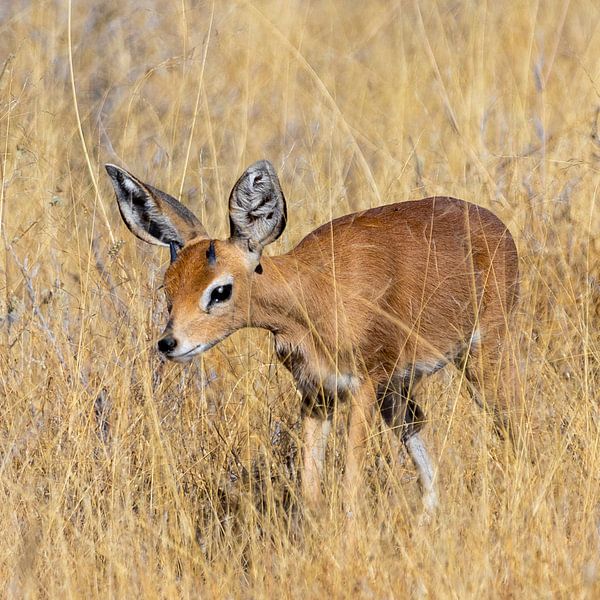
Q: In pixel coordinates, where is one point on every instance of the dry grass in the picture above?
(124, 477)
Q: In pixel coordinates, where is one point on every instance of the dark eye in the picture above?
(220, 294)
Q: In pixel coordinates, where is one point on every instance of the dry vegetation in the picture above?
(121, 476)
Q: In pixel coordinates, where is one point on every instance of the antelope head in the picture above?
(208, 282)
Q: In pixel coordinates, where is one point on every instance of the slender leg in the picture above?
(422, 461)
(491, 365)
(361, 418)
(491, 371)
(401, 412)
(316, 431)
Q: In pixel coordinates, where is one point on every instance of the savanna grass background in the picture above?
(122, 476)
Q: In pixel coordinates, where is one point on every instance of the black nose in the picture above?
(167, 344)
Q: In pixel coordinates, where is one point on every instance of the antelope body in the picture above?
(361, 309)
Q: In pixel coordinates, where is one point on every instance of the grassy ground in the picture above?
(121, 476)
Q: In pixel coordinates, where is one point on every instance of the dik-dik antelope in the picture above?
(361, 309)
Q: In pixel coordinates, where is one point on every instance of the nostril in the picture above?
(167, 344)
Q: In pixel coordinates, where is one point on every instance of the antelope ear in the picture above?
(257, 210)
(152, 215)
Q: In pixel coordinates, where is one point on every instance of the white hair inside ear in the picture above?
(257, 208)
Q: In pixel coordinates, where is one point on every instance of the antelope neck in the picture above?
(276, 296)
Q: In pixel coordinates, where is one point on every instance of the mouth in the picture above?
(189, 354)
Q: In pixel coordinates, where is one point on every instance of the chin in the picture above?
(181, 359)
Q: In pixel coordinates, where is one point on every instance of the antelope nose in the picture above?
(167, 344)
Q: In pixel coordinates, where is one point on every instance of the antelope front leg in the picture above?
(316, 431)
(361, 420)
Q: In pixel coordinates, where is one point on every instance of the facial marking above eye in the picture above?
(220, 294)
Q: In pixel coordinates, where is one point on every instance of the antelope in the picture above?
(361, 310)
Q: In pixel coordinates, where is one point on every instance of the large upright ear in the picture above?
(257, 211)
(152, 215)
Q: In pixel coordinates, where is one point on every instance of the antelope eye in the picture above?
(220, 294)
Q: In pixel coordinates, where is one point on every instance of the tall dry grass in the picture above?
(121, 476)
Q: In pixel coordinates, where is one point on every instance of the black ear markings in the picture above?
(138, 197)
(153, 228)
(150, 214)
(211, 255)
